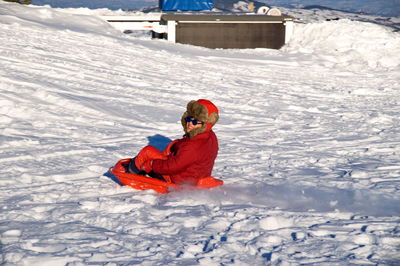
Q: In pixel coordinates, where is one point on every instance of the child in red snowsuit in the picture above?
(188, 159)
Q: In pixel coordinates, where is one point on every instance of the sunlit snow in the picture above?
(309, 144)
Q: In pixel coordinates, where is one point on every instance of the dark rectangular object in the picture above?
(217, 30)
(231, 34)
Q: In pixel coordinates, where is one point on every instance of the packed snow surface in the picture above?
(309, 145)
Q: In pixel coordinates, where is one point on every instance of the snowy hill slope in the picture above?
(309, 145)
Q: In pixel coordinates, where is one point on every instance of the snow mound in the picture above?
(347, 42)
(78, 20)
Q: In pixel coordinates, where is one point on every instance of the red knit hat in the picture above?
(211, 108)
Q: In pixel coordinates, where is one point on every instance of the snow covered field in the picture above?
(309, 145)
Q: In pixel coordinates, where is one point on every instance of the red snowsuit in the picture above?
(190, 159)
(186, 160)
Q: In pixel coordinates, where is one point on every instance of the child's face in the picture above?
(190, 126)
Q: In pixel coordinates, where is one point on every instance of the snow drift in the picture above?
(348, 43)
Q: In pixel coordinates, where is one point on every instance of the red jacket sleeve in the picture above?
(184, 157)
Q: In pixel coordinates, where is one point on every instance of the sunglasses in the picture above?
(194, 121)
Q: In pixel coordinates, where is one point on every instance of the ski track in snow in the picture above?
(309, 146)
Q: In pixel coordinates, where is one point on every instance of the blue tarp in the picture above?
(186, 5)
